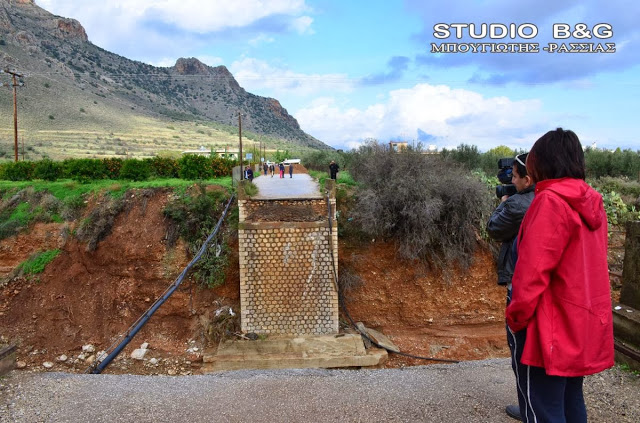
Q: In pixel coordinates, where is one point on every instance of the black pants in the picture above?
(543, 398)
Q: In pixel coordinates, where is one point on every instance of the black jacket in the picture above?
(503, 225)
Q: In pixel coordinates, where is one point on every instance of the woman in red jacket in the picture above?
(560, 313)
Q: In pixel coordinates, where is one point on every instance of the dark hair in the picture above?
(522, 169)
(556, 154)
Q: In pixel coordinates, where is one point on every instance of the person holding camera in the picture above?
(503, 225)
(560, 313)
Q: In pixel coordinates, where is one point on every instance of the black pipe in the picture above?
(142, 320)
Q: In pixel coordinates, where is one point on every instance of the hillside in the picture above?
(80, 99)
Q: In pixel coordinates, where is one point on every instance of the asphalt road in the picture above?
(300, 186)
(474, 391)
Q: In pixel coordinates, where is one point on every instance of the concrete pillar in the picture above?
(630, 293)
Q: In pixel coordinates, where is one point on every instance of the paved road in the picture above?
(300, 186)
(474, 391)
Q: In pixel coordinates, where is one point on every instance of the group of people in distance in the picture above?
(271, 168)
(553, 262)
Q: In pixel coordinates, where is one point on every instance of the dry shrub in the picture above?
(220, 324)
(431, 209)
(100, 221)
(348, 280)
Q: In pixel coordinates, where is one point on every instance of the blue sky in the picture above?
(350, 70)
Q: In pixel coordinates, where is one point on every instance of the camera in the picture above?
(504, 176)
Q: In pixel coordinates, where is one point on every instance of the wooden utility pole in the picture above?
(15, 85)
(240, 138)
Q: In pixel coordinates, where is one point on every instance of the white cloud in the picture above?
(302, 25)
(453, 116)
(165, 62)
(203, 17)
(210, 60)
(259, 76)
(190, 15)
(261, 39)
(145, 30)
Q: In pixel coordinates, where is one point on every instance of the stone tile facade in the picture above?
(287, 283)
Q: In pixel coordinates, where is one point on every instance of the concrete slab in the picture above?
(300, 186)
(378, 337)
(323, 351)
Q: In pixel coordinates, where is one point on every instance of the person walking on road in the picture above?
(265, 168)
(272, 169)
(290, 170)
(333, 169)
(281, 167)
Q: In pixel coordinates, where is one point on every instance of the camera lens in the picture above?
(502, 190)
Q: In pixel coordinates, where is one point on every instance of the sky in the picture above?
(443, 73)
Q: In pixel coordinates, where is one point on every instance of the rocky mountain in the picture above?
(63, 70)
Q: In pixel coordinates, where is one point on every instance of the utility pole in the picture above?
(15, 85)
(240, 138)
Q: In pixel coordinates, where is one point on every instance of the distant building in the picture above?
(398, 145)
(224, 153)
(229, 154)
(202, 151)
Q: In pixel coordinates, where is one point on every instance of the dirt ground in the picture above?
(92, 297)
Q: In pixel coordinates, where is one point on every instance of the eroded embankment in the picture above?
(92, 296)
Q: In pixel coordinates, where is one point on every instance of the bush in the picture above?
(616, 163)
(164, 167)
(320, 159)
(221, 166)
(135, 170)
(48, 170)
(467, 155)
(112, 166)
(193, 217)
(85, 170)
(430, 209)
(18, 171)
(618, 212)
(624, 186)
(194, 167)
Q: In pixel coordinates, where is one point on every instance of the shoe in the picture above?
(513, 411)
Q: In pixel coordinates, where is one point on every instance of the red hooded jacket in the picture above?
(561, 291)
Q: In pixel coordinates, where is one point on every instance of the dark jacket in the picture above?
(503, 225)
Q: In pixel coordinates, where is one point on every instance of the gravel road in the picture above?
(474, 391)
